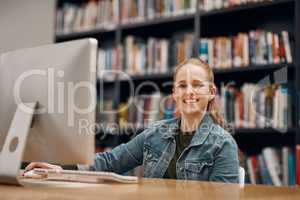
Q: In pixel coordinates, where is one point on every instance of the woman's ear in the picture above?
(211, 97)
(213, 91)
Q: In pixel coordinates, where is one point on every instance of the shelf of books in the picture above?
(257, 50)
(78, 19)
(251, 48)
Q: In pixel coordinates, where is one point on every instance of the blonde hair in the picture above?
(212, 106)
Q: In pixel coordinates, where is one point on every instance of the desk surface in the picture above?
(153, 189)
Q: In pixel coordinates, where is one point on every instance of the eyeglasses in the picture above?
(201, 87)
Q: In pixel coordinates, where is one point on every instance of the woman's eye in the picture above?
(198, 85)
(182, 85)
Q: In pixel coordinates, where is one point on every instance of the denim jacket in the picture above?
(211, 156)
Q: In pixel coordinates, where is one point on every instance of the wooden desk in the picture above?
(153, 189)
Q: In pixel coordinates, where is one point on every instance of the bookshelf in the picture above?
(217, 72)
(275, 16)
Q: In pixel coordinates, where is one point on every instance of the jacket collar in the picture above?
(170, 129)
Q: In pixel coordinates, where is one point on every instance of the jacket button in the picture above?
(181, 169)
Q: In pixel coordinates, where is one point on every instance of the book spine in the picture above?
(298, 164)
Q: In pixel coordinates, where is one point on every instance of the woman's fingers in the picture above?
(42, 165)
(30, 166)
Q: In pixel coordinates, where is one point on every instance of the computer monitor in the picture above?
(61, 78)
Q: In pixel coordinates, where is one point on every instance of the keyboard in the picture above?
(81, 176)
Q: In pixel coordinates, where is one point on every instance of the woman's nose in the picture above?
(189, 89)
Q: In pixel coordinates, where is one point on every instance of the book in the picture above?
(272, 162)
(251, 171)
(287, 46)
(285, 167)
(257, 47)
(105, 14)
(254, 106)
(87, 15)
(272, 166)
(136, 56)
(265, 174)
(297, 164)
(138, 111)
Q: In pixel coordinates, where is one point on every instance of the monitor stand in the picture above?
(12, 152)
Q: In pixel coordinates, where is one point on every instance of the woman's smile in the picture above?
(190, 101)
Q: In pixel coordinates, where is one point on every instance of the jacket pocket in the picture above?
(199, 170)
(150, 161)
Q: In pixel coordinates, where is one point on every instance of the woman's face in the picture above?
(192, 90)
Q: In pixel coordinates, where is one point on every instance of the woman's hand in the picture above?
(42, 165)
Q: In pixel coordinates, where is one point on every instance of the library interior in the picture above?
(166, 99)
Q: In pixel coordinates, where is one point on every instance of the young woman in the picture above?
(194, 146)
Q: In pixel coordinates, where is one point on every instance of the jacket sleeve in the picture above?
(123, 157)
(226, 164)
